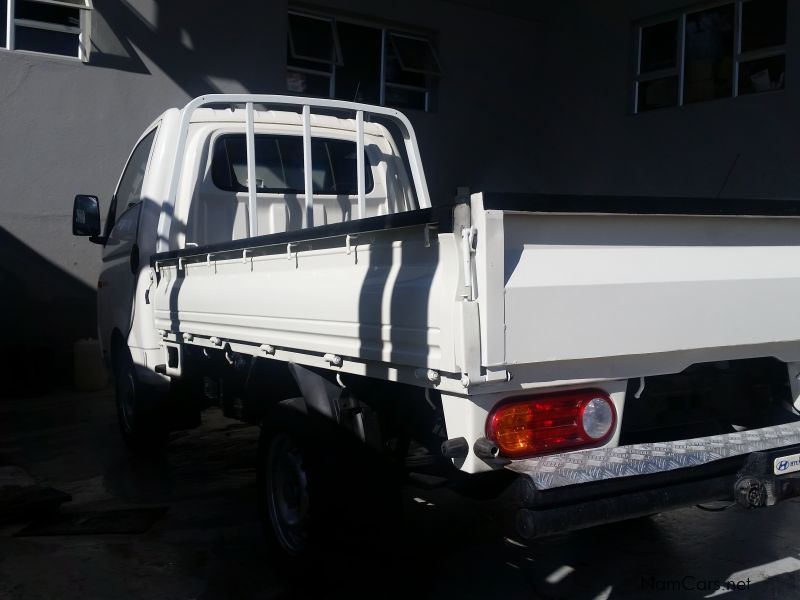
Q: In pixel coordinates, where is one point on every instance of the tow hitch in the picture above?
(768, 477)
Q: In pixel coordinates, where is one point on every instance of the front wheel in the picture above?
(141, 422)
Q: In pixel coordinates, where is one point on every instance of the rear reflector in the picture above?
(552, 422)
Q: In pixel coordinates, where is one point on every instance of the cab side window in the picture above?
(129, 192)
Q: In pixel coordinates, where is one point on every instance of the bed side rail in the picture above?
(437, 219)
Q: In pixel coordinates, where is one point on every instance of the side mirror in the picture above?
(86, 216)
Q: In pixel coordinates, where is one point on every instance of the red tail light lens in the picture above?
(552, 422)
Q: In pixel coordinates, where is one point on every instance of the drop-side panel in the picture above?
(590, 286)
(383, 300)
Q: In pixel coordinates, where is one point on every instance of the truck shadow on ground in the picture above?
(450, 556)
(446, 545)
(209, 544)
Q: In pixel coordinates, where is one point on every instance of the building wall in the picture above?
(67, 128)
(534, 98)
(592, 143)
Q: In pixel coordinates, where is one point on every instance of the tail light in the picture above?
(552, 422)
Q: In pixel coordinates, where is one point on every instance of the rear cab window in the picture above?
(279, 165)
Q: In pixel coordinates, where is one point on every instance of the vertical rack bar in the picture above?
(307, 165)
(362, 203)
(252, 209)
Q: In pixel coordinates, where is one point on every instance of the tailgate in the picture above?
(625, 292)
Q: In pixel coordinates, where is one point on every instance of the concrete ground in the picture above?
(209, 543)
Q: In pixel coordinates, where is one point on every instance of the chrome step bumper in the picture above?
(601, 464)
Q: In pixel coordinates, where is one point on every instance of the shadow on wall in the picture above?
(191, 51)
(166, 41)
(44, 310)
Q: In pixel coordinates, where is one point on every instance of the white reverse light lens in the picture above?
(597, 418)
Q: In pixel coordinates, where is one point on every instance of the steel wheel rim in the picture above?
(287, 494)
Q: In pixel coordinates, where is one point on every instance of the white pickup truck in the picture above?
(587, 359)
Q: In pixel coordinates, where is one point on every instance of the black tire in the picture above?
(290, 507)
(142, 422)
(335, 502)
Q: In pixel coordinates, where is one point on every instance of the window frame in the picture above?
(386, 32)
(83, 31)
(398, 34)
(679, 70)
(112, 217)
(337, 48)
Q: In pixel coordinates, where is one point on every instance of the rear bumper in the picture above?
(572, 491)
(602, 464)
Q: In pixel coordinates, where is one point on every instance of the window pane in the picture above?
(762, 75)
(48, 13)
(359, 78)
(658, 93)
(308, 84)
(394, 73)
(336, 168)
(127, 225)
(709, 54)
(3, 9)
(414, 54)
(51, 42)
(311, 39)
(659, 47)
(763, 24)
(130, 186)
(129, 191)
(279, 165)
(405, 98)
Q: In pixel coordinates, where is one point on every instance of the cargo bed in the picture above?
(561, 288)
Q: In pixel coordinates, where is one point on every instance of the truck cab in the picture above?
(212, 204)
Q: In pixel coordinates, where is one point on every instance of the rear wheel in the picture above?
(317, 488)
(287, 484)
(141, 420)
(287, 496)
